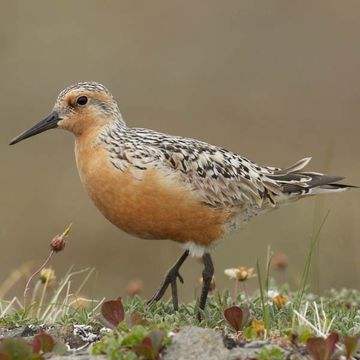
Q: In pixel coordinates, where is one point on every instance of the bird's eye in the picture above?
(82, 100)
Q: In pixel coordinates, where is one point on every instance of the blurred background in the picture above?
(272, 80)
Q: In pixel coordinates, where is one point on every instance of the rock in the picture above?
(194, 343)
(79, 357)
(256, 344)
(30, 330)
(243, 353)
(76, 337)
(15, 332)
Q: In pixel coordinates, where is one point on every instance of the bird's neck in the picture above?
(115, 131)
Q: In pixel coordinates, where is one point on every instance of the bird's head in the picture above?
(79, 108)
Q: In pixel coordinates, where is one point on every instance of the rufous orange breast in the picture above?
(151, 206)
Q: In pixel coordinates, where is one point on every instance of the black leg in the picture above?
(207, 274)
(170, 279)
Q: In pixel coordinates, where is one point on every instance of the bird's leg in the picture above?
(170, 279)
(207, 274)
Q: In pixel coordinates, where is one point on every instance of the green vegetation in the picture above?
(271, 353)
(338, 311)
(338, 314)
(300, 320)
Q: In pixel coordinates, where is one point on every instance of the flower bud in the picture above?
(58, 242)
(134, 287)
(280, 261)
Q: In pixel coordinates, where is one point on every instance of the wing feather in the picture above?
(220, 177)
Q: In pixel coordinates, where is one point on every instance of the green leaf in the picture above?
(270, 353)
(217, 298)
(136, 335)
(135, 318)
(304, 333)
(151, 345)
(59, 348)
(37, 357)
(15, 349)
(250, 333)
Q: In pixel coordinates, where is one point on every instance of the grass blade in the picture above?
(305, 273)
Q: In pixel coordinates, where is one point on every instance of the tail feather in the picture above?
(295, 182)
(294, 167)
(313, 181)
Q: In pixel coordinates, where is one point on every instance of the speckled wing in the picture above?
(221, 178)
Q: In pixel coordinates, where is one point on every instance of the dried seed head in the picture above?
(58, 242)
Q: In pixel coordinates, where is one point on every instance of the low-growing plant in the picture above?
(137, 330)
(270, 353)
(322, 349)
(237, 316)
(40, 347)
(112, 313)
(128, 342)
(351, 345)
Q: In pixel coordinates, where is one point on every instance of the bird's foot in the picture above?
(170, 279)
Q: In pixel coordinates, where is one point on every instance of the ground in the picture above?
(231, 328)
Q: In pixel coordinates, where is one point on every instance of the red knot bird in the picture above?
(159, 186)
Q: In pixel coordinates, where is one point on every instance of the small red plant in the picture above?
(351, 344)
(151, 345)
(134, 287)
(112, 313)
(280, 261)
(322, 349)
(135, 318)
(19, 349)
(42, 343)
(15, 349)
(237, 316)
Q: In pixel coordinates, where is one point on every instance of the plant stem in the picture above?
(305, 274)
(264, 304)
(27, 287)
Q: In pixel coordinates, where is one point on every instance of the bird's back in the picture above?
(220, 177)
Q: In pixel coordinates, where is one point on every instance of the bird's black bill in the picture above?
(50, 122)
